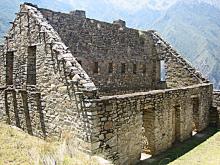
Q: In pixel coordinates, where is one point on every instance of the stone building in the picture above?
(118, 90)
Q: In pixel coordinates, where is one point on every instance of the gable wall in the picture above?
(95, 41)
(49, 108)
(179, 72)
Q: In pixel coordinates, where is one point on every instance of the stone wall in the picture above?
(52, 105)
(2, 105)
(1, 65)
(166, 115)
(47, 93)
(97, 45)
(179, 71)
(216, 104)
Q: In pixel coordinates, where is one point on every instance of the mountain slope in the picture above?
(195, 33)
(7, 14)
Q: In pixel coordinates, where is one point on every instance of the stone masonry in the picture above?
(100, 82)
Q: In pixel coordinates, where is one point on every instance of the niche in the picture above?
(123, 68)
(31, 65)
(9, 68)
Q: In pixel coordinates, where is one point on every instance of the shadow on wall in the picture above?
(179, 149)
(24, 110)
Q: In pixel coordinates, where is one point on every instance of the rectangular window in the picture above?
(96, 67)
(9, 68)
(135, 68)
(31, 66)
(144, 68)
(110, 67)
(162, 71)
(123, 68)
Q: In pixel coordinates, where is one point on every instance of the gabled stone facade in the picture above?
(100, 82)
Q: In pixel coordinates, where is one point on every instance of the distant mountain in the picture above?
(194, 29)
(191, 26)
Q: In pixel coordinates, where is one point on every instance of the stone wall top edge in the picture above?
(216, 92)
(96, 21)
(153, 92)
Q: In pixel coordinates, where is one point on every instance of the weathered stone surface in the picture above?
(92, 41)
(51, 90)
(216, 103)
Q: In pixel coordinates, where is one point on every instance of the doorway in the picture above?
(195, 108)
(176, 115)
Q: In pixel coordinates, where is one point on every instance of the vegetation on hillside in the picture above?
(19, 148)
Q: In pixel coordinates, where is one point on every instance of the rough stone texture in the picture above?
(93, 41)
(216, 103)
(179, 72)
(119, 121)
(64, 98)
(50, 105)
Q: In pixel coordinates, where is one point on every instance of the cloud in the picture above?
(80, 4)
(130, 5)
(161, 4)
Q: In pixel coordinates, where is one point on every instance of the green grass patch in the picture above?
(201, 149)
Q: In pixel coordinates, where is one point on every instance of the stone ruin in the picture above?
(120, 91)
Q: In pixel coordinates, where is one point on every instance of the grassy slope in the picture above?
(17, 147)
(201, 149)
(206, 153)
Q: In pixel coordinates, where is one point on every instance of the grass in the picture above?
(201, 149)
(19, 148)
(206, 153)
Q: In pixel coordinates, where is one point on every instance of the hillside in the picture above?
(17, 147)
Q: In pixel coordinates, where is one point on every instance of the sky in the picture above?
(134, 5)
(130, 5)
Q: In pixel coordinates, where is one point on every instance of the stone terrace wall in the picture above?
(166, 115)
(179, 72)
(95, 41)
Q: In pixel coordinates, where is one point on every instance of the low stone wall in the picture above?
(216, 98)
(216, 103)
(166, 115)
